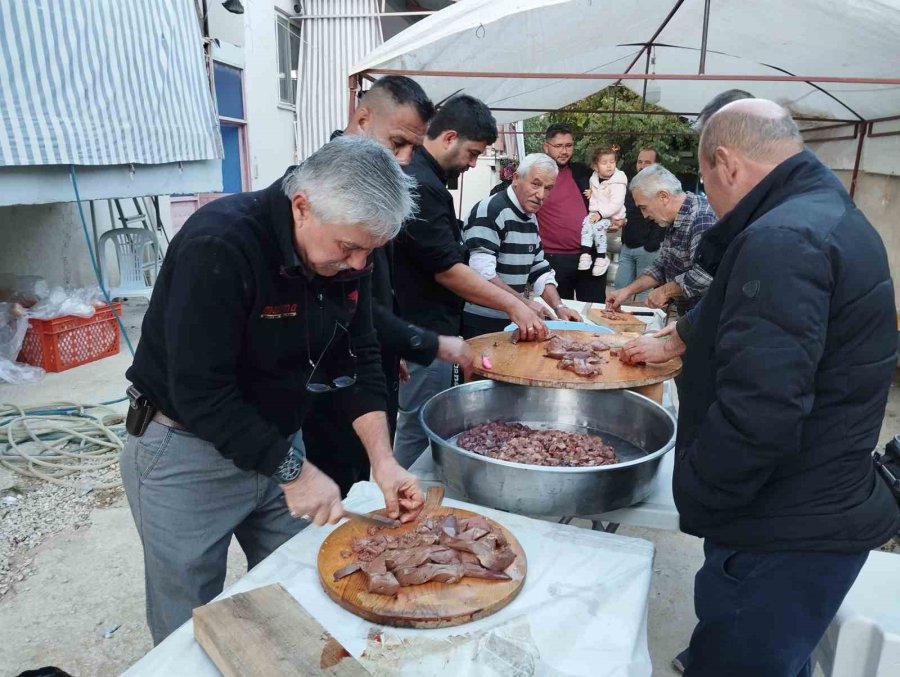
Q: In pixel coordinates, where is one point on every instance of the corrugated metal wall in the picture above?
(104, 82)
(330, 47)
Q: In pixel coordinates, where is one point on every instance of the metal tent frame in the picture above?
(861, 128)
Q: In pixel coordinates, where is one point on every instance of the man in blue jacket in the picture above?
(785, 382)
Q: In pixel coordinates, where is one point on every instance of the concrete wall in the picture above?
(475, 185)
(878, 196)
(48, 240)
(878, 184)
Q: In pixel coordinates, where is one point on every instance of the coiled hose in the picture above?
(61, 442)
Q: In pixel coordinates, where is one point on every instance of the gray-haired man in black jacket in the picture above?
(263, 303)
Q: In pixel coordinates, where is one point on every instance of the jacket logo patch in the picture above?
(353, 296)
(751, 289)
(279, 312)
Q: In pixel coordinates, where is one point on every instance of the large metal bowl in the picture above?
(639, 429)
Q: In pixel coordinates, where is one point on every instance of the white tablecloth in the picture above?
(581, 611)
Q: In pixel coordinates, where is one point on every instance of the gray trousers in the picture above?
(632, 262)
(424, 383)
(187, 501)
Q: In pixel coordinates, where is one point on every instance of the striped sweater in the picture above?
(498, 226)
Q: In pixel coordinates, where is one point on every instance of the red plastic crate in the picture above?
(70, 341)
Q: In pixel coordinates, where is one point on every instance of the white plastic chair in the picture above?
(137, 252)
(863, 640)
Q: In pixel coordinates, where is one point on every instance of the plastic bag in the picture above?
(23, 289)
(17, 372)
(13, 325)
(80, 302)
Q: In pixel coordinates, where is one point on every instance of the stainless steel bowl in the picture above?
(639, 429)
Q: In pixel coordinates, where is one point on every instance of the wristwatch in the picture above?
(291, 466)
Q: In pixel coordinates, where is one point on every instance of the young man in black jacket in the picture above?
(785, 382)
(263, 302)
(433, 279)
(395, 112)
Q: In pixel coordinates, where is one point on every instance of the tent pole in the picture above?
(654, 36)
(861, 128)
(646, 71)
(705, 36)
(615, 100)
(353, 85)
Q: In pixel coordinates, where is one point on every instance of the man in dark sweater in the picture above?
(786, 375)
(263, 302)
(641, 237)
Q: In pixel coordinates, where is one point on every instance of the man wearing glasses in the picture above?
(263, 303)
(561, 216)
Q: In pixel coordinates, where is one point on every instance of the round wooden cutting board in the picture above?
(431, 605)
(524, 363)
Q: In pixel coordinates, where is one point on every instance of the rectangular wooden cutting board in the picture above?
(266, 632)
(630, 322)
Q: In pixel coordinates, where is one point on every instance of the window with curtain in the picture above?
(288, 47)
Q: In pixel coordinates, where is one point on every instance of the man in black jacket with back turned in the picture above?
(784, 388)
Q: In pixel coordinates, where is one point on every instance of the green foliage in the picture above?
(669, 135)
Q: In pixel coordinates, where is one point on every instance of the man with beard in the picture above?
(432, 278)
(562, 213)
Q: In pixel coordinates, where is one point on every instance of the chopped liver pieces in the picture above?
(580, 357)
(442, 548)
(519, 443)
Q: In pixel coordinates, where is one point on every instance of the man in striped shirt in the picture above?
(504, 246)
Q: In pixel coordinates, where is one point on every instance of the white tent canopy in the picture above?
(768, 38)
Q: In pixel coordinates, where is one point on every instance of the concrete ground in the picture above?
(86, 580)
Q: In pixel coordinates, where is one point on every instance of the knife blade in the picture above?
(373, 519)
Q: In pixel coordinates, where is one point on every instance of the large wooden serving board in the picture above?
(432, 605)
(524, 363)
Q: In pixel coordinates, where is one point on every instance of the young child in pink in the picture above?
(606, 203)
